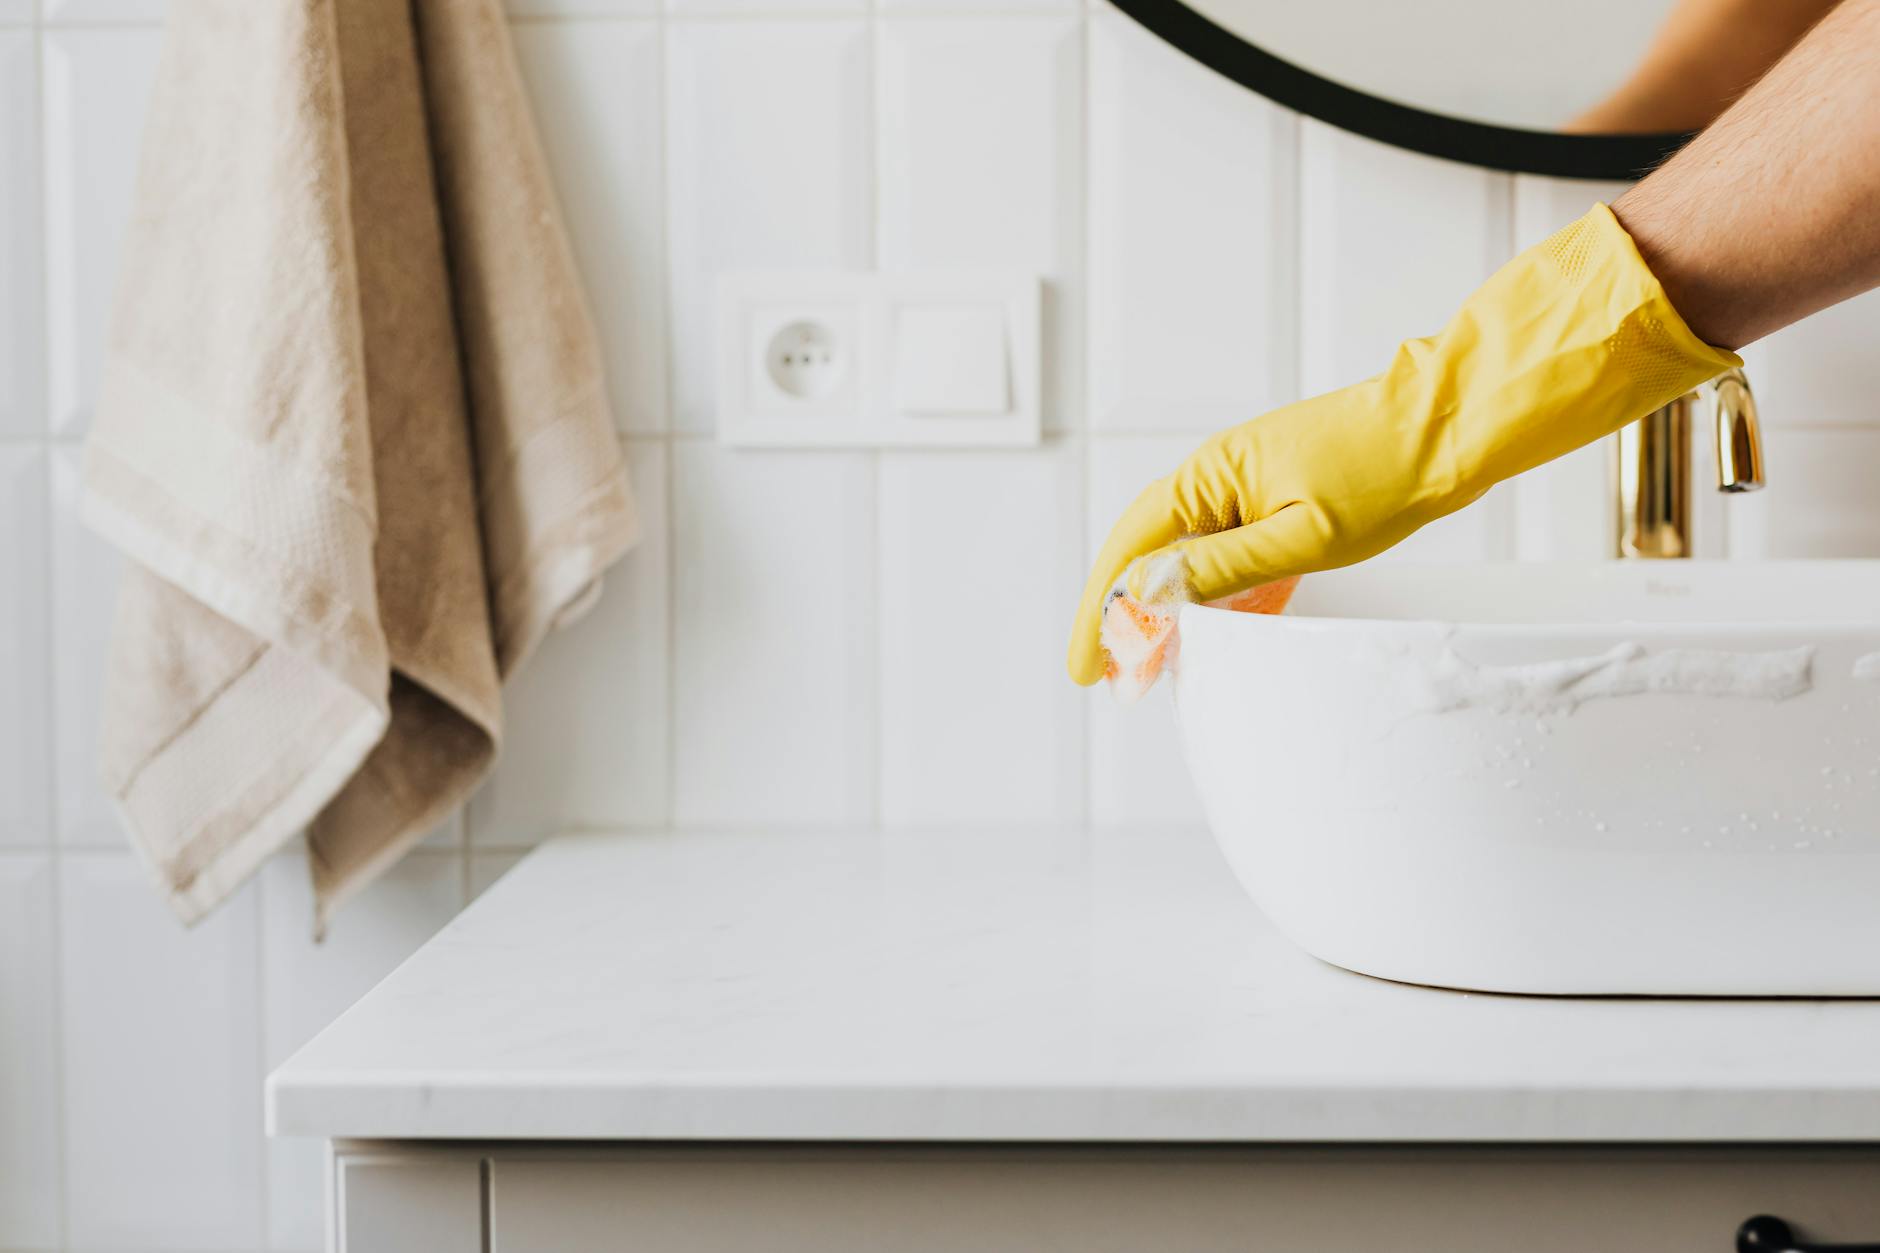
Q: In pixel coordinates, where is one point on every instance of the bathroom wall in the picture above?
(804, 637)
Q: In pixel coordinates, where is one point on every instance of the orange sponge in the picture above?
(1138, 631)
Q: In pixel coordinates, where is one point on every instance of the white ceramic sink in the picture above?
(1650, 778)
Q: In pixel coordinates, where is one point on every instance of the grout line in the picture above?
(1290, 202)
(877, 718)
(55, 911)
(1083, 726)
(1503, 521)
(1200, 427)
(116, 24)
(264, 1174)
(1298, 264)
(668, 469)
(857, 13)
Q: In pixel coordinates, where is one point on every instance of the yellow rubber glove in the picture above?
(1569, 341)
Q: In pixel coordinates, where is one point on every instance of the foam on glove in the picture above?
(1138, 630)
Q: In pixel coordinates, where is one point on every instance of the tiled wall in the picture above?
(789, 645)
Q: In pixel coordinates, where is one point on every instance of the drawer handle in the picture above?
(1766, 1233)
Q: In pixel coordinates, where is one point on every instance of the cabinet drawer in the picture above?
(1190, 1200)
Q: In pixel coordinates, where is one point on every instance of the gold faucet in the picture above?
(1652, 465)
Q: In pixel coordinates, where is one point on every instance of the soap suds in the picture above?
(1622, 670)
(1867, 667)
(1138, 632)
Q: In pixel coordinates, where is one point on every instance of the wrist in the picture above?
(1714, 303)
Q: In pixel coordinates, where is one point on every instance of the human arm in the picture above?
(1773, 212)
(1699, 61)
(1765, 218)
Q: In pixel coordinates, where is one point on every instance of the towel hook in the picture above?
(1766, 1233)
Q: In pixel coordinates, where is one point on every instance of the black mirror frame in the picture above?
(1510, 148)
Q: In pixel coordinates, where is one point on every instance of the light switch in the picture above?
(950, 360)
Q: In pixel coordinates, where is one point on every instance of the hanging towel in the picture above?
(351, 434)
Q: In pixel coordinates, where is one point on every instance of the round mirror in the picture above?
(1511, 84)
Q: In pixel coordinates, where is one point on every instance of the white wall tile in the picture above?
(1544, 205)
(579, 8)
(21, 355)
(162, 1078)
(597, 95)
(585, 734)
(1191, 228)
(1483, 531)
(1820, 500)
(981, 561)
(1564, 509)
(16, 12)
(1822, 371)
(29, 1067)
(780, 181)
(106, 12)
(1136, 769)
(774, 668)
(96, 86)
(84, 577)
(978, 6)
(1390, 245)
(308, 985)
(981, 159)
(25, 760)
(763, 8)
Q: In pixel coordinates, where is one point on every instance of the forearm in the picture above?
(1702, 58)
(1774, 211)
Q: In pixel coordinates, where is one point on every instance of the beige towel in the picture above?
(352, 434)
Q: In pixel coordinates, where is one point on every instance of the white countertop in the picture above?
(1020, 985)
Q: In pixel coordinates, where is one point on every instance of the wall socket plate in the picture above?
(868, 359)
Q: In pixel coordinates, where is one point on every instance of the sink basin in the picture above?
(1633, 778)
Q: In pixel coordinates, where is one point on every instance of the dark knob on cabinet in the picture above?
(1766, 1233)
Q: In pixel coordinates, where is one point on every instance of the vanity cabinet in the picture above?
(1033, 1041)
(1118, 1199)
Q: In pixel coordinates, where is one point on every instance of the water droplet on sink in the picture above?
(1511, 783)
(1827, 770)
(1804, 844)
(1708, 844)
(1599, 826)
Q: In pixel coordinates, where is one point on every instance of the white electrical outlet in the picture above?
(793, 361)
(848, 359)
(805, 360)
